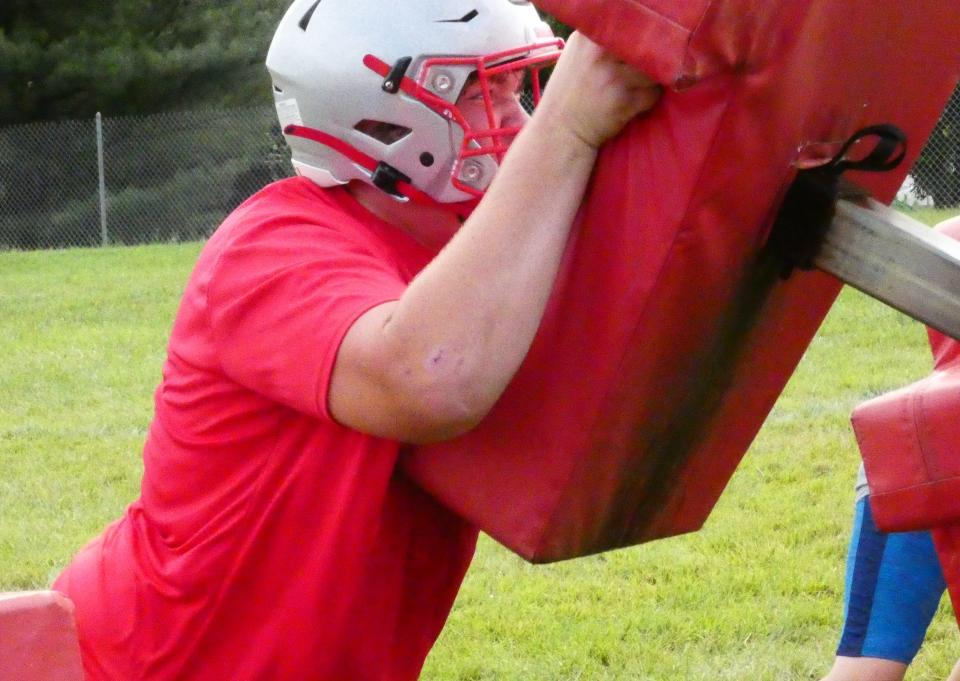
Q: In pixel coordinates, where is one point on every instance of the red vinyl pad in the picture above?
(670, 334)
(910, 442)
(38, 638)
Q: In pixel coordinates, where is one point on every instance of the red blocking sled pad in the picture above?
(670, 334)
(38, 638)
(910, 441)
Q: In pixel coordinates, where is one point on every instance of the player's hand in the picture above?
(593, 94)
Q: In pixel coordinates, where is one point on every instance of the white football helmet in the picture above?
(367, 89)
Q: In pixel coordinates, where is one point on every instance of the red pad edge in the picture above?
(38, 637)
(669, 336)
(681, 43)
(908, 440)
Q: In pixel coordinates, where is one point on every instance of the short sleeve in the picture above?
(280, 304)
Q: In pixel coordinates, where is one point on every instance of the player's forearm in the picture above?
(467, 321)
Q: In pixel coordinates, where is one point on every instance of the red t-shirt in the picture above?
(269, 542)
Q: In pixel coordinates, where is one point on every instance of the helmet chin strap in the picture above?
(383, 176)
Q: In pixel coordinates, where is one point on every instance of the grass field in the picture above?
(755, 595)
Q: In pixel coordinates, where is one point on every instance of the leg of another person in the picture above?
(893, 587)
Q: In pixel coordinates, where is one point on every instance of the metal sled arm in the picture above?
(896, 260)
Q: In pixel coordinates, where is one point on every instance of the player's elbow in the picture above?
(391, 383)
(441, 407)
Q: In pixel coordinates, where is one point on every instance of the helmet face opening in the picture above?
(436, 80)
(493, 139)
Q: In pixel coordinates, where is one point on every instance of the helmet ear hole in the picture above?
(385, 133)
(426, 159)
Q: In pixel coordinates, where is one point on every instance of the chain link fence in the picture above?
(934, 180)
(48, 185)
(174, 177)
(168, 177)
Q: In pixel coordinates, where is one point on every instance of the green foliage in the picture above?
(757, 594)
(131, 56)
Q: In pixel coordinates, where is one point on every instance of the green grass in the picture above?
(930, 216)
(82, 338)
(755, 595)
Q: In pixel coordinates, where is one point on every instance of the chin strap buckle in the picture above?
(385, 177)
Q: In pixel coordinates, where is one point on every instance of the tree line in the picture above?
(63, 60)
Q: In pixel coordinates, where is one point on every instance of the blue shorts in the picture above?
(893, 587)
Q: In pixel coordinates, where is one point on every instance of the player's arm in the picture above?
(431, 365)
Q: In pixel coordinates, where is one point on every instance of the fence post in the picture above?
(104, 237)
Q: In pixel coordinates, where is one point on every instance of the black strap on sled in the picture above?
(810, 203)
